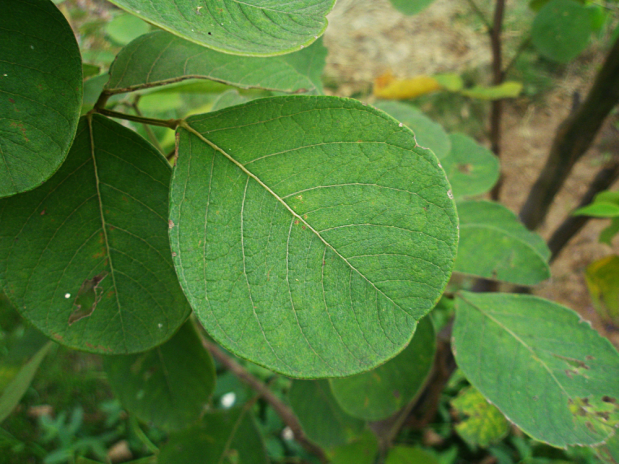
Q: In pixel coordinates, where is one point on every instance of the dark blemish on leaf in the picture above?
(608, 399)
(173, 253)
(97, 347)
(43, 213)
(171, 224)
(589, 426)
(57, 336)
(396, 393)
(87, 298)
(300, 91)
(210, 33)
(589, 358)
(465, 168)
(296, 222)
(303, 227)
(11, 100)
(569, 373)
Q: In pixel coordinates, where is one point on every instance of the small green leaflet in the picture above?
(310, 233)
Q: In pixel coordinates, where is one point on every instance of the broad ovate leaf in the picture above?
(481, 423)
(252, 27)
(381, 392)
(40, 93)
(561, 30)
(161, 58)
(428, 133)
(546, 369)
(86, 257)
(495, 245)
(310, 234)
(221, 437)
(322, 419)
(168, 386)
(471, 168)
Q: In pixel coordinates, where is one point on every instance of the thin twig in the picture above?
(282, 410)
(522, 47)
(480, 13)
(169, 123)
(147, 129)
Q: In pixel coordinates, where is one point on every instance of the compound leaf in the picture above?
(168, 386)
(561, 30)
(321, 417)
(546, 370)
(379, 393)
(252, 27)
(86, 257)
(471, 168)
(229, 436)
(161, 58)
(310, 233)
(40, 93)
(495, 245)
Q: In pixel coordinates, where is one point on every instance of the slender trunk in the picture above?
(570, 227)
(572, 139)
(496, 111)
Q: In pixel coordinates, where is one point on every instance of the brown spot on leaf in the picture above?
(170, 223)
(465, 168)
(43, 213)
(87, 298)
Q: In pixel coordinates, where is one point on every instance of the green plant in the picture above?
(309, 235)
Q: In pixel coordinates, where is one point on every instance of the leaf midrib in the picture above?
(215, 147)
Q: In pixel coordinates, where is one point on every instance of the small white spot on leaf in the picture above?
(287, 434)
(450, 195)
(228, 400)
(67, 295)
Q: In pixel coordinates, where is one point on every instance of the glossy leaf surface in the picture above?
(540, 364)
(222, 437)
(253, 27)
(40, 93)
(314, 253)
(162, 58)
(85, 257)
(168, 386)
(561, 30)
(481, 424)
(495, 245)
(379, 393)
(321, 417)
(471, 168)
(429, 134)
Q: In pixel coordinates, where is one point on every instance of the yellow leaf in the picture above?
(390, 88)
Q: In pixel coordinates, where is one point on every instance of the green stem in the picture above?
(135, 428)
(169, 123)
(147, 129)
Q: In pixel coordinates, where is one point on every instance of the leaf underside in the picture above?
(160, 57)
(310, 233)
(251, 27)
(40, 93)
(101, 218)
(540, 364)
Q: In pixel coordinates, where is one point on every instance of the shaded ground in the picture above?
(367, 38)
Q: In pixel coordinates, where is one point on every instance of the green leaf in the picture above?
(609, 232)
(471, 168)
(40, 93)
(495, 245)
(602, 277)
(227, 99)
(540, 364)
(314, 253)
(608, 196)
(321, 417)
(161, 58)
(86, 256)
(253, 27)
(609, 451)
(411, 7)
(13, 392)
(361, 451)
(409, 455)
(561, 30)
(598, 209)
(508, 89)
(168, 386)
(482, 423)
(450, 81)
(125, 27)
(222, 437)
(378, 394)
(429, 134)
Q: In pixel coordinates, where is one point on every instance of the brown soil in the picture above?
(366, 38)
